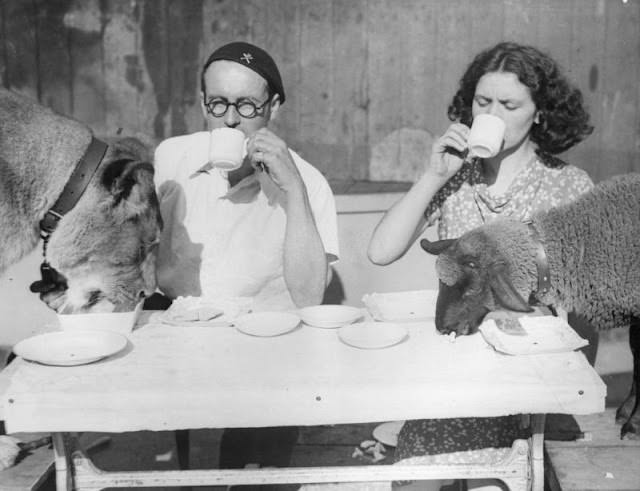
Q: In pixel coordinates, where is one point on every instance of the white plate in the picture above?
(372, 335)
(329, 316)
(267, 324)
(543, 334)
(67, 348)
(402, 306)
(387, 433)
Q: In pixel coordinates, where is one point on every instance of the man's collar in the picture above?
(205, 169)
(244, 191)
(247, 189)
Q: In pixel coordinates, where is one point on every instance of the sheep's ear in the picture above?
(436, 247)
(506, 295)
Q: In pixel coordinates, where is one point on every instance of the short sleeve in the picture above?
(578, 182)
(164, 159)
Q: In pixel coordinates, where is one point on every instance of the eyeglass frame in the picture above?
(243, 101)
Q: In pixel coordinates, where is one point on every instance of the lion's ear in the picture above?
(131, 186)
(136, 147)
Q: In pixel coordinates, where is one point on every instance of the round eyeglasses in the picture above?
(246, 108)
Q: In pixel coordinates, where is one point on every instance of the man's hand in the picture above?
(304, 261)
(269, 153)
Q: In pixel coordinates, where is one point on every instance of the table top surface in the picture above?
(173, 377)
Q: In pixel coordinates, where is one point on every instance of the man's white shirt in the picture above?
(218, 244)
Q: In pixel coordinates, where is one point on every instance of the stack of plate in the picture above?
(266, 324)
(410, 305)
(372, 335)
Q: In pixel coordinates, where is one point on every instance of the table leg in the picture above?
(537, 452)
(64, 478)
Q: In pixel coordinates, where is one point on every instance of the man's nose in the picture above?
(232, 117)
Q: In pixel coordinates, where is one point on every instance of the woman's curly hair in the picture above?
(564, 120)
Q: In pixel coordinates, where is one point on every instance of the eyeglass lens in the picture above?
(246, 108)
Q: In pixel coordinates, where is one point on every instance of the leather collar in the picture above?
(76, 185)
(542, 266)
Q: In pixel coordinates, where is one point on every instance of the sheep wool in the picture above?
(593, 248)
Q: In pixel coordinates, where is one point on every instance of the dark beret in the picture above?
(253, 58)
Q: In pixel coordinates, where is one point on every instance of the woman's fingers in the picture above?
(455, 137)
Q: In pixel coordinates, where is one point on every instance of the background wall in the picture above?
(367, 81)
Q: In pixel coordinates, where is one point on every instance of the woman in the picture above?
(543, 115)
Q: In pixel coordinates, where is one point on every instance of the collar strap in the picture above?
(542, 265)
(76, 185)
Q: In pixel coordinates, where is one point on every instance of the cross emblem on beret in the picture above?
(246, 57)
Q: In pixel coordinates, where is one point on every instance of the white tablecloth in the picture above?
(196, 377)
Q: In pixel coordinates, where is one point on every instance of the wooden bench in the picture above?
(30, 472)
(597, 460)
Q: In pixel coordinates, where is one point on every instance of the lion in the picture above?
(101, 255)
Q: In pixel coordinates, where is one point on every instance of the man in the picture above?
(266, 230)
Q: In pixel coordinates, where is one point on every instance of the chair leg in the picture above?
(182, 446)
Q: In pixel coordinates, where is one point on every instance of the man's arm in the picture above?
(305, 262)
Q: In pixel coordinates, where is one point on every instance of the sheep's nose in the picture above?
(444, 329)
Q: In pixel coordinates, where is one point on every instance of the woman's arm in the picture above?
(404, 222)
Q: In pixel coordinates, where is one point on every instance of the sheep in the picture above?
(593, 251)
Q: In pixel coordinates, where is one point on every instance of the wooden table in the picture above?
(172, 378)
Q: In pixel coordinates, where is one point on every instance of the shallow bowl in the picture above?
(120, 322)
(329, 316)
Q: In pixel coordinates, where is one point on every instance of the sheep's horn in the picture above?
(436, 247)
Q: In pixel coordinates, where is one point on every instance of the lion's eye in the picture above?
(471, 264)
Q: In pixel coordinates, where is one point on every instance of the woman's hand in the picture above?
(447, 154)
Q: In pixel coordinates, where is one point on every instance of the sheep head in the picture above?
(489, 268)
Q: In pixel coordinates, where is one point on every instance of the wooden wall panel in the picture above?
(357, 73)
(454, 50)
(122, 72)
(350, 101)
(4, 72)
(521, 21)
(422, 107)
(54, 61)
(386, 75)
(185, 37)
(554, 33)
(315, 89)
(154, 45)
(620, 103)
(488, 22)
(280, 36)
(585, 69)
(84, 22)
(21, 46)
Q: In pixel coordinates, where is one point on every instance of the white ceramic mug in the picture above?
(486, 136)
(227, 148)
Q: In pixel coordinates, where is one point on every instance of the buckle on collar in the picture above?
(542, 265)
